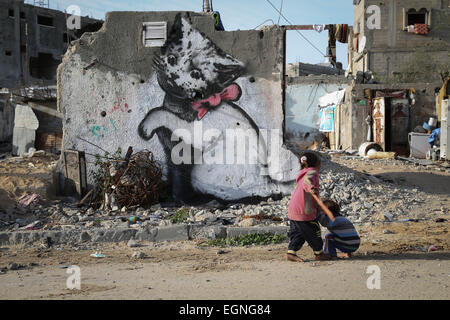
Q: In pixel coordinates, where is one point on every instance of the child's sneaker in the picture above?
(322, 257)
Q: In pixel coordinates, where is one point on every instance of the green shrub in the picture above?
(248, 240)
(180, 217)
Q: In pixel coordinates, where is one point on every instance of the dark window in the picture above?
(45, 21)
(43, 66)
(416, 17)
(23, 48)
(11, 13)
(22, 15)
(8, 53)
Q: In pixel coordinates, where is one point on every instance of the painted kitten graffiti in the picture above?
(192, 68)
(199, 80)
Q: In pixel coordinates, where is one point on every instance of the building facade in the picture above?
(400, 40)
(32, 42)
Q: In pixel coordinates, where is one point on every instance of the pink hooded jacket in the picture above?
(302, 206)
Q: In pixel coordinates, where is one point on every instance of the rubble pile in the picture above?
(363, 199)
(360, 197)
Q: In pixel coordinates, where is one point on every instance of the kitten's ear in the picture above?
(176, 33)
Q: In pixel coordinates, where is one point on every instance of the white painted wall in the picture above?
(84, 97)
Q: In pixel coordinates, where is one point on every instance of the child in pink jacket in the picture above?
(303, 209)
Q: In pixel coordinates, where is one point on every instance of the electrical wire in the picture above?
(281, 14)
(281, 10)
(273, 22)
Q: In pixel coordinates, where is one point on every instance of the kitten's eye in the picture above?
(172, 60)
(195, 74)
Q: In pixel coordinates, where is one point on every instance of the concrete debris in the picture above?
(247, 222)
(138, 255)
(13, 266)
(363, 198)
(132, 244)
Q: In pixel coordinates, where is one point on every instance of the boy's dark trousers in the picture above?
(331, 245)
(302, 231)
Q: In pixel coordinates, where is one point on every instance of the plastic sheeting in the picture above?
(334, 98)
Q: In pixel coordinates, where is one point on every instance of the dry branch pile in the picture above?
(140, 182)
(125, 182)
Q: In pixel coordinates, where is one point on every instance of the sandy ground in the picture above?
(188, 270)
(22, 176)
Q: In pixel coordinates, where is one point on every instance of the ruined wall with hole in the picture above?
(302, 107)
(183, 101)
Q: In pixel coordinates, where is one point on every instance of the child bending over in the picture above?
(343, 235)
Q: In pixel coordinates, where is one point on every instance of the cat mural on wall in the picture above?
(199, 80)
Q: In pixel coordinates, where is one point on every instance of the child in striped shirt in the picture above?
(343, 235)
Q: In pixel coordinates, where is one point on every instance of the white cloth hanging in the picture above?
(319, 27)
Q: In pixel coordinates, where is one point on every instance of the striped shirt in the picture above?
(342, 229)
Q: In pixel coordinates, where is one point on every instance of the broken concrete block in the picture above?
(25, 126)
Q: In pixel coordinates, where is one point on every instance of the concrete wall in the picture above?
(114, 92)
(302, 106)
(391, 49)
(41, 39)
(353, 124)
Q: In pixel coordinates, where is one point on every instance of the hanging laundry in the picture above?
(356, 42)
(218, 21)
(421, 29)
(319, 27)
(331, 50)
(331, 33)
(341, 32)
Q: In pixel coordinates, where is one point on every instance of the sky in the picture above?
(245, 15)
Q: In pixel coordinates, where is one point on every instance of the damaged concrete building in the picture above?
(408, 55)
(33, 40)
(411, 35)
(170, 83)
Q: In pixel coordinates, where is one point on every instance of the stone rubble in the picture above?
(363, 199)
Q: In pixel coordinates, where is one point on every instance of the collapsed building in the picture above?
(33, 40)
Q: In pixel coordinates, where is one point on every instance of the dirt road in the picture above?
(187, 270)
